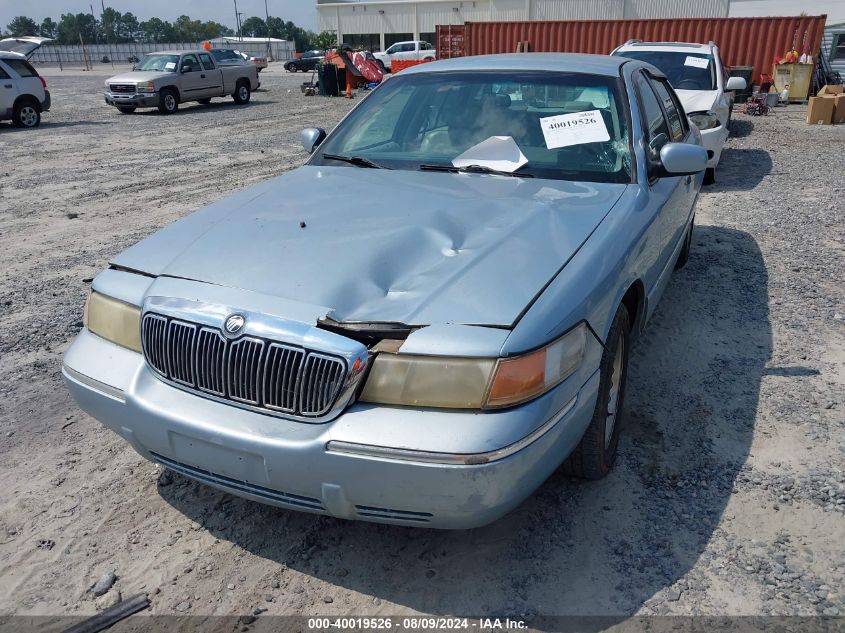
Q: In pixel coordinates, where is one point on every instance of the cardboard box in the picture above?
(839, 108)
(832, 89)
(820, 110)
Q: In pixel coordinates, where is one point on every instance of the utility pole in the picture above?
(267, 27)
(237, 19)
(94, 25)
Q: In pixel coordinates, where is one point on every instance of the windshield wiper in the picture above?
(473, 169)
(358, 161)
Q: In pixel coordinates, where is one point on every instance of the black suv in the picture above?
(307, 62)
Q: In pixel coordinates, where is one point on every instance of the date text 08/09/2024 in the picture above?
(415, 623)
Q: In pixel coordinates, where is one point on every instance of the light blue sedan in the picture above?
(428, 318)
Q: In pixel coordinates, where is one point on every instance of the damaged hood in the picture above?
(697, 100)
(417, 248)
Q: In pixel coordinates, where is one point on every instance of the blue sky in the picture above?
(302, 12)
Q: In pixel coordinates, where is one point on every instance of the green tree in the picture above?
(129, 27)
(22, 25)
(110, 25)
(155, 30)
(325, 40)
(48, 28)
(72, 26)
(254, 27)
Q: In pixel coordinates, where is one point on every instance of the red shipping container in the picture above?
(742, 41)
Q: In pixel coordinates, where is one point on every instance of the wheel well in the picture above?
(174, 89)
(634, 301)
(242, 80)
(27, 99)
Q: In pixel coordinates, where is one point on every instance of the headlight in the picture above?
(473, 383)
(113, 320)
(149, 86)
(704, 120)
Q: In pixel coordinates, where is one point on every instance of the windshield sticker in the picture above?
(578, 128)
(170, 65)
(697, 62)
(497, 152)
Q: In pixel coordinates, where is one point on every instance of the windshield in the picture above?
(566, 126)
(160, 63)
(685, 71)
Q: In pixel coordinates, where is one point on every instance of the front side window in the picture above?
(191, 62)
(569, 126)
(159, 63)
(657, 130)
(3, 73)
(676, 127)
(205, 58)
(685, 71)
(21, 67)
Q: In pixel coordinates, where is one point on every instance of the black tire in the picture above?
(291, 68)
(26, 113)
(204, 101)
(242, 92)
(594, 455)
(683, 256)
(168, 102)
(709, 176)
(125, 109)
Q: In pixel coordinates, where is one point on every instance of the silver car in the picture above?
(428, 318)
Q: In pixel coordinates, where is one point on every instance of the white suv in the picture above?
(23, 92)
(701, 83)
(403, 51)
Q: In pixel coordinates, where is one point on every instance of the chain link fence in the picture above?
(98, 54)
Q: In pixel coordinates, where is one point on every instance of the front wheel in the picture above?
(26, 114)
(242, 93)
(167, 102)
(683, 256)
(594, 455)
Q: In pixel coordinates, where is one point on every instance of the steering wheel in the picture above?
(687, 84)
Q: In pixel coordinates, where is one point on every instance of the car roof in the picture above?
(688, 47)
(551, 62)
(182, 52)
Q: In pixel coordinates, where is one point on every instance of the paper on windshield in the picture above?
(170, 65)
(697, 62)
(577, 128)
(497, 152)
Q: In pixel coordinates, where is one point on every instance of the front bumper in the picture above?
(137, 100)
(713, 141)
(332, 468)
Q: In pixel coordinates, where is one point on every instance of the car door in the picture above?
(193, 78)
(8, 90)
(212, 75)
(667, 193)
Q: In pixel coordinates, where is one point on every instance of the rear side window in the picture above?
(675, 124)
(21, 67)
(3, 73)
(205, 58)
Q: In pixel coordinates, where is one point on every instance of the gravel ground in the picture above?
(728, 497)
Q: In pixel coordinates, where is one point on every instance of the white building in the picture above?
(377, 24)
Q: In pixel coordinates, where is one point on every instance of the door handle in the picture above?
(689, 179)
(203, 76)
(7, 85)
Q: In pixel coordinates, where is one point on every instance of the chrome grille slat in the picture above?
(264, 374)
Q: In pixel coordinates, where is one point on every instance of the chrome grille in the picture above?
(122, 88)
(251, 371)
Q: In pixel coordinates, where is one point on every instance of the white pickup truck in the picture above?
(402, 51)
(164, 80)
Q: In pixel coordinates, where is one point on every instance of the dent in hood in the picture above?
(390, 246)
(697, 100)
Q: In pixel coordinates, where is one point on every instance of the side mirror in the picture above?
(682, 159)
(736, 83)
(311, 137)
(186, 69)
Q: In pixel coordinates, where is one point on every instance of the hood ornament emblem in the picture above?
(234, 324)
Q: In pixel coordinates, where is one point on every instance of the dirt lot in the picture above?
(728, 496)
